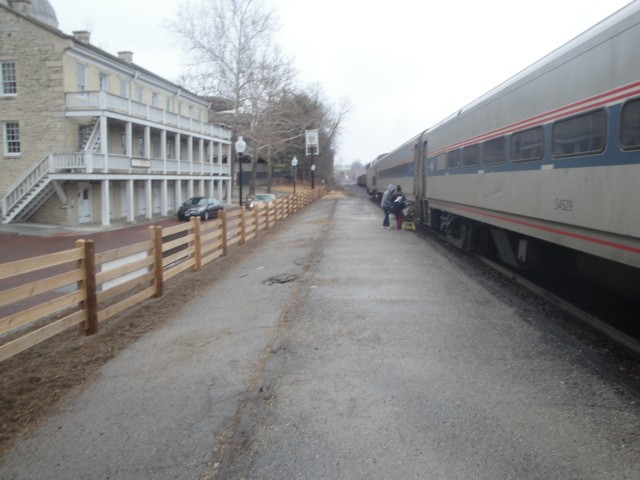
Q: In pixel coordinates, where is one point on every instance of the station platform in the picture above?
(333, 348)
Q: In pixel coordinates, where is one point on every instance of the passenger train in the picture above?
(548, 159)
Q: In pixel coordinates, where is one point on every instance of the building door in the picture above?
(124, 200)
(157, 197)
(142, 198)
(85, 205)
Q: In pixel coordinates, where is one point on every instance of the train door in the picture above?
(420, 179)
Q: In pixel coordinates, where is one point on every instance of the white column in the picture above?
(211, 148)
(147, 142)
(106, 202)
(190, 187)
(104, 142)
(149, 199)
(129, 143)
(163, 150)
(164, 202)
(201, 152)
(190, 153)
(178, 153)
(130, 211)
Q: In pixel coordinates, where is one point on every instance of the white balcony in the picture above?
(92, 101)
(98, 163)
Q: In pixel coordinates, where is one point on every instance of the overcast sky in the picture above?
(404, 64)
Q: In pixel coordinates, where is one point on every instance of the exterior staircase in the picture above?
(35, 187)
(28, 194)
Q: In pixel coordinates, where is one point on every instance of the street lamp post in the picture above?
(313, 180)
(241, 145)
(294, 164)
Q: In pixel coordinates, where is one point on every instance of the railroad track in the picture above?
(620, 337)
(611, 350)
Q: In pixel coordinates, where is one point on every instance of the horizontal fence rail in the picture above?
(45, 295)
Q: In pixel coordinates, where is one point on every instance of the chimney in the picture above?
(21, 6)
(126, 56)
(82, 36)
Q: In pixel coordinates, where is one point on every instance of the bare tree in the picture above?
(226, 42)
(271, 125)
(232, 55)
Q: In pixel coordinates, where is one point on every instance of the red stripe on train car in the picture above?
(537, 227)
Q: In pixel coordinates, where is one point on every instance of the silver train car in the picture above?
(396, 167)
(550, 157)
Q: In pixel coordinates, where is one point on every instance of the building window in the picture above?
(11, 131)
(581, 135)
(155, 100)
(169, 107)
(8, 82)
(140, 94)
(81, 77)
(124, 89)
(104, 82)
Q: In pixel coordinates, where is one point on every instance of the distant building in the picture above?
(91, 137)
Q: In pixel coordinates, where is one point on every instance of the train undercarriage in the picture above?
(522, 252)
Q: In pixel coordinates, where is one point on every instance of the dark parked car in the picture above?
(259, 200)
(203, 207)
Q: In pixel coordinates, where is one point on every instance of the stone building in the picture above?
(88, 137)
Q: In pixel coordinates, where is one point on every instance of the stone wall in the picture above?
(39, 104)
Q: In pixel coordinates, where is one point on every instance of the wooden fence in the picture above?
(79, 287)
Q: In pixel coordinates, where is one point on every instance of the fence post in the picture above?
(266, 220)
(256, 219)
(223, 218)
(197, 252)
(156, 239)
(90, 304)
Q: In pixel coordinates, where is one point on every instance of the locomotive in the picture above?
(544, 168)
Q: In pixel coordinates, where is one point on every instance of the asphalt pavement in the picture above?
(338, 349)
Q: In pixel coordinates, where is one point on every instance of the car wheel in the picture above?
(205, 215)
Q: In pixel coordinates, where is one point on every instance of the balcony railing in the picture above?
(79, 101)
(98, 163)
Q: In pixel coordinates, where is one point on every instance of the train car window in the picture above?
(527, 145)
(584, 134)
(453, 158)
(630, 131)
(471, 155)
(441, 162)
(493, 151)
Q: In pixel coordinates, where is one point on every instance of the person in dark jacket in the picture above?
(386, 203)
(399, 204)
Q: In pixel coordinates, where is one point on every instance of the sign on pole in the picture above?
(311, 140)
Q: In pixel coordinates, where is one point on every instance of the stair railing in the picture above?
(21, 187)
